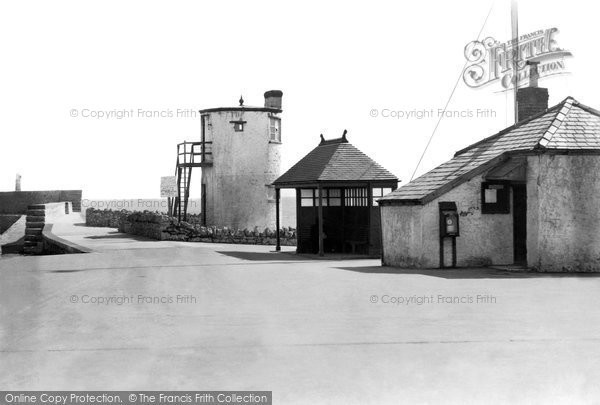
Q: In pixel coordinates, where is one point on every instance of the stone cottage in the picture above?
(527, 196)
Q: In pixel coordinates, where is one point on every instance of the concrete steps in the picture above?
(35, 221)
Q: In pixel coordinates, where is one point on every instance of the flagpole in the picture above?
(514, 22)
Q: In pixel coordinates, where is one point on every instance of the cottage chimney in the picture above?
(273, 99)
(533, 99)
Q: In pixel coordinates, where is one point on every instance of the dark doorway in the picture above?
(520, 223)
(203, 203)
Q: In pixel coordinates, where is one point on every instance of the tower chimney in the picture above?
(18, 183)
(533, 99)
(533, 74)
(273, 99)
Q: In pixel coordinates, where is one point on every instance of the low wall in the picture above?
(53, 244)
(110, 218)
(56, 210)
(6, 221)
(162, 227)
(16, 202)
(104, 218)
(13, 238)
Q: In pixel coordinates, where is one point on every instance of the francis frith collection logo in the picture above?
(490, 61)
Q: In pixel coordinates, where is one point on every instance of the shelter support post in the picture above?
(320, 210)
(277, 198)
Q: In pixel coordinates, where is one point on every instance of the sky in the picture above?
(341, 65)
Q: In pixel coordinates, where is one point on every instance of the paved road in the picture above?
(308, 330)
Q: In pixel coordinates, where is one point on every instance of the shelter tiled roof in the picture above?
(335, 160)
(569, 125)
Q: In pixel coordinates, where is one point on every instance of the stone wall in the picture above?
(104, 218)
(162, 227)
(111, 218)
(17, 202)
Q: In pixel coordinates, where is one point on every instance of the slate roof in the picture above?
(335, 160)
(568, 125)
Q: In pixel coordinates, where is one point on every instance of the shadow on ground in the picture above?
(291, 256)
(465, 273)
(265, 256)
(66, 271)
(119, 235)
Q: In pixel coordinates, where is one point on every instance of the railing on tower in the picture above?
(189, 155)
(194, 154)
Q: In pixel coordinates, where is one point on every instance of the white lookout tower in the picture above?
(239, 153)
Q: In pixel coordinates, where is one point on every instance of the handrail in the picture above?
(186, 159)
(183, 150)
